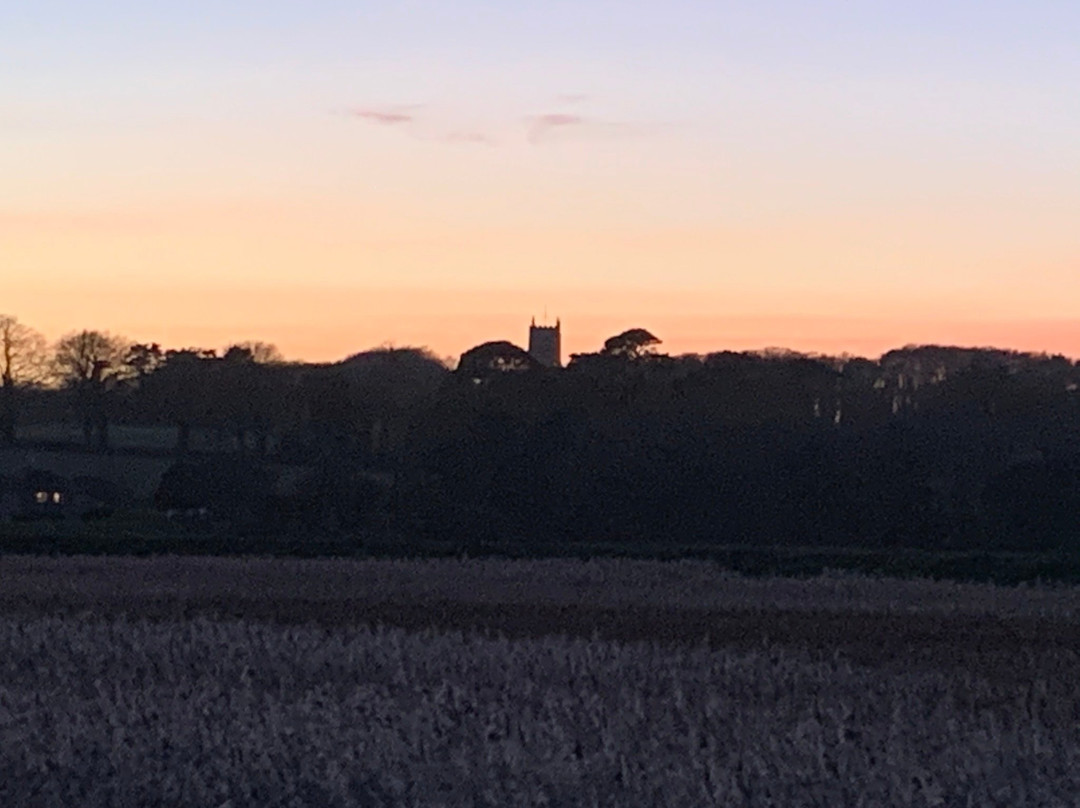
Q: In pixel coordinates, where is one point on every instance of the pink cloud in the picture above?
(558, 119)
(544, 124)
(384, 117)
(469, 137)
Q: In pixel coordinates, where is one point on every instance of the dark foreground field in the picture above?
(867, 619)
(194, 681)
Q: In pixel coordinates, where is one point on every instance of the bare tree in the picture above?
(87, 362)
(262, 353)
(88, 357)
(22, 363)
(22, 353)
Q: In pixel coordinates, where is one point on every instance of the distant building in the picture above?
(545, 344)
(39, 494)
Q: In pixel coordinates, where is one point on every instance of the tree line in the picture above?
(933, 447)
(94, 370)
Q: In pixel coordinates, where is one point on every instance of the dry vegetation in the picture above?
(597, 584)
(251, 682)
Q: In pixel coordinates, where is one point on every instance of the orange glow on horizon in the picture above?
(325, 278)
(315, 324)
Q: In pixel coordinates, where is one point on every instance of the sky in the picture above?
(332, 176)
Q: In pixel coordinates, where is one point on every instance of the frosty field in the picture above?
(246, 682)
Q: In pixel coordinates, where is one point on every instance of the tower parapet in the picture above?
(545, 344)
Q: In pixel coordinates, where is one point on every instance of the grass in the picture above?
(449, 682)
(619, 599)
(148, 533)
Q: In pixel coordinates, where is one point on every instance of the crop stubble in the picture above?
(868, 620)
(246, 681)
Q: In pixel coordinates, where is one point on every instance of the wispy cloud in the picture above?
(550, 127)
(404, 117)
(469, 137)
(554, 126)
(540, 126)
(384, 117)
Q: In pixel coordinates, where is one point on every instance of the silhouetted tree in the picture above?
(263, 353)
(632, 344)
(22, 363)
(494, 358)
(386, 387)
(180, 391)
(930, 446)
(86, 362)
(91, 357)
(619, 370)
(143, 359)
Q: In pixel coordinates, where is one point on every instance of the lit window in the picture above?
(41, 497)
(56, 497)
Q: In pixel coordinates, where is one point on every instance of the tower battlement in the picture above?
(545, 344)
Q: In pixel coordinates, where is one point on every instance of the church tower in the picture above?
(545, 344)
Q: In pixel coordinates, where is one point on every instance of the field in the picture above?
(146, 532)
(217, 681)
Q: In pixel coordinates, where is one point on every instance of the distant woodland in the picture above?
(926, 447)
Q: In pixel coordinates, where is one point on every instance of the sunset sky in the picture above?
(331, 176)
